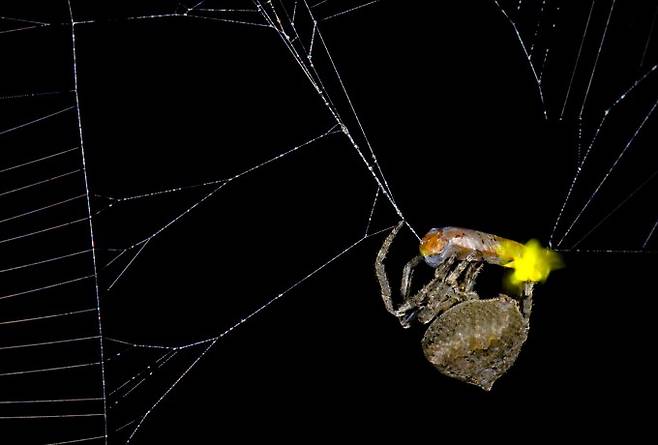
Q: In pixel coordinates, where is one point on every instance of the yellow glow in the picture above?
(531, 262)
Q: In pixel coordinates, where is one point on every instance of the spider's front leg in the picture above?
(408, 274)
(381, 271)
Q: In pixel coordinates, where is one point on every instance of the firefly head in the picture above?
(432, 245)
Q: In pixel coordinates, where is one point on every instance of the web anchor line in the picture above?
(101, 351)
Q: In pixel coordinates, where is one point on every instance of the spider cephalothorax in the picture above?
(469, 338)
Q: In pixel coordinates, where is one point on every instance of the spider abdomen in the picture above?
(476, 341)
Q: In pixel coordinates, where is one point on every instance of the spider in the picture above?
(468, 338)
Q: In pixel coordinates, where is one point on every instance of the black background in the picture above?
(451, 109)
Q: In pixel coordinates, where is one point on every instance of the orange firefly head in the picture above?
(432, 243)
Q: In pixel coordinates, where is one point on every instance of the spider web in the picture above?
(92, 215)
(598, 92)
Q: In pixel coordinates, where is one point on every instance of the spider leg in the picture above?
(408, 274)
(446, 290)
(452, 278)
(526, 299)
(438, 304)
(432, 293)
(471, 274)
(381, 271)
(406, 311)
(444, 267)
(448, 257)
(442, 292)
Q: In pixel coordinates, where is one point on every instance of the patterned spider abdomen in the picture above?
(476, 341)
